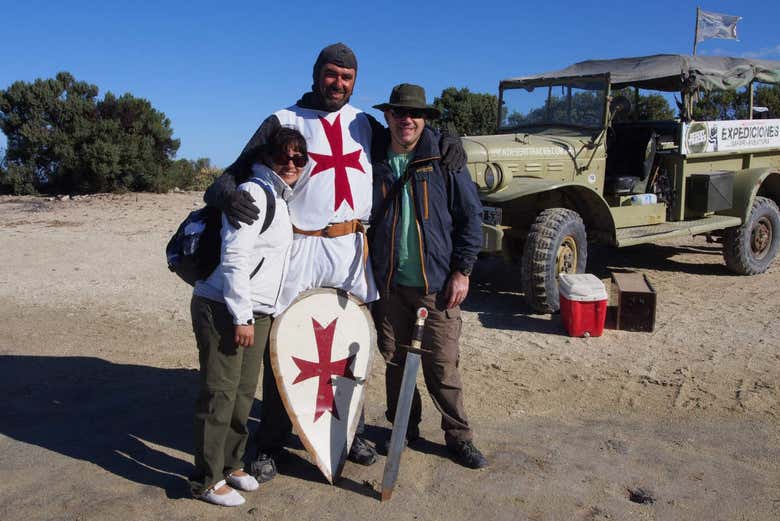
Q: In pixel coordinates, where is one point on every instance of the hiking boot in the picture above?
(468, 455)
(361, 452)
(263, 468)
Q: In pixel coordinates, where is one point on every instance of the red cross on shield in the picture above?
(321, 350)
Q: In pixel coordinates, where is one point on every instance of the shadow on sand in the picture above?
(657, 257)
(496, 290)
(118, 417)
(112, 415)
(495, 295)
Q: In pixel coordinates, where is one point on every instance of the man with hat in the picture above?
(330, 200)
(425, 237)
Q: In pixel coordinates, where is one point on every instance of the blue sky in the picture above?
(218, 69)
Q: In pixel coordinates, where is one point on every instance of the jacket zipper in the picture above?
(419, 238)
(425, 199)
(284, 265)
(396, 209)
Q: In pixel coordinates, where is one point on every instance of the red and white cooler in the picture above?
(583, 300)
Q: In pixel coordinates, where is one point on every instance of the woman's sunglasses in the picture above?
(298, 160)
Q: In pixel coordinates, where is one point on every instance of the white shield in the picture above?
(321, 351)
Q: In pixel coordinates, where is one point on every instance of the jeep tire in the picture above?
(750, 249)
(556, 243)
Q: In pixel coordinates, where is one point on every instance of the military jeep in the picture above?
(572, 164)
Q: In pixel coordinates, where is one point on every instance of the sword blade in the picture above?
(400, 424)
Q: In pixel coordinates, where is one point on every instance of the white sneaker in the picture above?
(231, 499)
(247, 482)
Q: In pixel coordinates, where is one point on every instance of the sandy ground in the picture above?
(98, 379)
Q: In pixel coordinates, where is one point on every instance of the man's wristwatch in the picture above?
(465, 271)
(250, 322)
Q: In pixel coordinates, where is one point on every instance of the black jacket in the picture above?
(447, 210)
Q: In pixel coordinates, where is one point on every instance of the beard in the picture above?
(332, 105)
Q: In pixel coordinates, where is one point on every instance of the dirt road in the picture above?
(98, 370)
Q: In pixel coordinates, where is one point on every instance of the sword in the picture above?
(401, 422)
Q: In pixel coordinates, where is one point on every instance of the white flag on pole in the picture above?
(716, 25)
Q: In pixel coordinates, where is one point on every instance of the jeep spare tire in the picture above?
(557, 243)
(750, 249)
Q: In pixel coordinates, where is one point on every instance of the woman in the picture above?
(231, 318)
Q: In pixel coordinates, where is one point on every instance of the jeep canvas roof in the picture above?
(666, 72)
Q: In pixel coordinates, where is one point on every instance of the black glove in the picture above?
(240, 207)
(453, 156)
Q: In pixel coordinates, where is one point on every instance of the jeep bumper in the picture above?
(492, 238)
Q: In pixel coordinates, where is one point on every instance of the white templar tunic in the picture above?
(335, 187)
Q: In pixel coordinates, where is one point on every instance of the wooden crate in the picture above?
(636, 301)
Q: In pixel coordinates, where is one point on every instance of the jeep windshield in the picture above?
(565, 103)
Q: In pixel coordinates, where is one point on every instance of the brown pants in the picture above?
(394, 316)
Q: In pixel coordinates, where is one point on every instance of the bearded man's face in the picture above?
(335, 86)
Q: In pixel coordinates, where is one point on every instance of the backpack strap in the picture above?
(391, 195)
(270, 198)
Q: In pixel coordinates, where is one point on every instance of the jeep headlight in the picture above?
(488, 177)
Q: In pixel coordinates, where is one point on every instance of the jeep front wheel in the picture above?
(750, 249)
(556, 243)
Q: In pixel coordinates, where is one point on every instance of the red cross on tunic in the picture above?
(324, 368)
(338, 161)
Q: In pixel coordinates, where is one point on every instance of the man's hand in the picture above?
(240, 207)
(245, 336)
(456, 290)
(453, 155)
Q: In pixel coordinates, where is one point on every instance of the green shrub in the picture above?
(63, 139)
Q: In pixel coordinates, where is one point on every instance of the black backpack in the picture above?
(194, 250)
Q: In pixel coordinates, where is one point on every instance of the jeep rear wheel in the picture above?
(557, 243)
(750, 249)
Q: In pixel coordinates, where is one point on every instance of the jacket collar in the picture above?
(263, 173)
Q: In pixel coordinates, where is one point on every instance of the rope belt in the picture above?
(339, 230)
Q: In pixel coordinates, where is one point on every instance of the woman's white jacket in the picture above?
(253, 265)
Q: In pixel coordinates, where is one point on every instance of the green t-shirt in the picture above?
(409, 262)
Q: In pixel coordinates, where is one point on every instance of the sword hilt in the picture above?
(419, 328)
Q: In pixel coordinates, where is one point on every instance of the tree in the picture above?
(471, 113)
(62, 138)
(654, 107)
(721, 104)
(584, 108)
(193, 175)
(650, 107)
(769, 96)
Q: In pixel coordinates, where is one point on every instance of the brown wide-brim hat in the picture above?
(409, 96)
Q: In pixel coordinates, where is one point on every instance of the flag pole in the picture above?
(696, 31)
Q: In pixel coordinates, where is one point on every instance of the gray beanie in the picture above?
(337, 54)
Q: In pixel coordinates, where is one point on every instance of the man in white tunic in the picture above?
(331, 198)
(333, 195)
